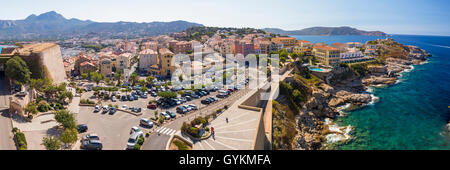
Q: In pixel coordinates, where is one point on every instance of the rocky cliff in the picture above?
(344, 87)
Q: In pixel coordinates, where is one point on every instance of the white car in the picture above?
(167, 116)
(105, 109)
(193, 106)
(136, 130)
(97, 108)
(124, 107)
(146, 122)
(133, 140)
(188, 107)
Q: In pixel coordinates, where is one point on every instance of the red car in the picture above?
(151, 106)
(231, 90)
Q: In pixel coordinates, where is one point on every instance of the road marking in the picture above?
(225, 145)
(236, 131)
(201, 146)
(209, 145)
(233, 118)
(236, 124)
(162, 128)
(243, 140)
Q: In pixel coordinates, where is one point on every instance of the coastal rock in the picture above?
(448, 127)
(379, 70)
(342, 97)
(373, 80)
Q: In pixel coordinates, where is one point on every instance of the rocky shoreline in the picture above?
(315, 122)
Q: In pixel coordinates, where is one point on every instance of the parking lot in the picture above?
(114, 130)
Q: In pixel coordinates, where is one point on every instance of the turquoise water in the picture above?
(315, 69)
(410, 115)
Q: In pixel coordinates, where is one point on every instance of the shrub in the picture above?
(207, 129)
(180, 145)
(141, 140)
(137, 147)
(43, 106)
(21, 140)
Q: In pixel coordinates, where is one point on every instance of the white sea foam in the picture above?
(374, 99)
(339, 133)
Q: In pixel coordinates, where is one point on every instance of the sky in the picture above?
(418, 17)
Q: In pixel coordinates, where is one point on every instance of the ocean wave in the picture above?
(442, 46)
(337, 133)
(373, 100)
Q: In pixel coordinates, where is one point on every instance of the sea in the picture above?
(410, 115)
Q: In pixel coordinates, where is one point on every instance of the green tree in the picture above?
(66, 119)
(134, 78)
(167, 95)
(69, 136)
(97, 77)
(51, 143)
(118, 76)
(150, 79)
(31, 108)
(85, 75)
(17, 70)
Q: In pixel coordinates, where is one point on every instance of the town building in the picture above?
(147, 58)
(329, 56)
(87, 67)
(166, 68)
(286, 41)
(182, 47)
(124, 61)
(106, 67)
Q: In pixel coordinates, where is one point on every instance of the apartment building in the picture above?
(166, 68)
(286, 41)
(124, 61)
(147, 58)
(106, 67)
(327, 55)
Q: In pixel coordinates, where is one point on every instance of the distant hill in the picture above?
(326, 31)
(52, 25)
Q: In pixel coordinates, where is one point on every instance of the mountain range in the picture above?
(326, 31)
(52, 25)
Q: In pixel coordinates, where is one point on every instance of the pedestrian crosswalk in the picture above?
(166, 131)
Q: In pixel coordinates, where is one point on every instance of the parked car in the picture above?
(135, 129)
(133, 140)
(105, 109)
(136, 110)
(167, 116)
(82, 128)
(112, 110)
(181, 110)
(114, 99)
(91, 136)
(124, 107)
(171, 114)
(146, 123)
(91, 145)
(188, 108)
(221, 95)
(151, 106)
(124, 98)
(193, 106)
(188, 98)
(97, 108)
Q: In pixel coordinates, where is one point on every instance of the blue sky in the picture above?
(423, 17)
